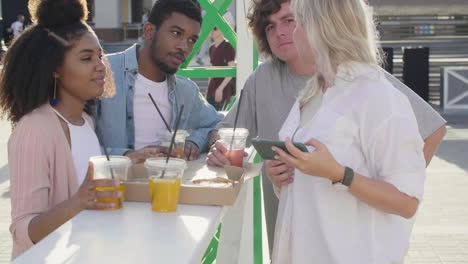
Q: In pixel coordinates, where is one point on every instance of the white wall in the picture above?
(148, 4)
(107, 14)
(244, 52)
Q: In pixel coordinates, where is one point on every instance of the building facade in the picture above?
(116, 20)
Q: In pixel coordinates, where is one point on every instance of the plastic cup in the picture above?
(178, 150)
(102, 170)
(235, 144)
(164, 182)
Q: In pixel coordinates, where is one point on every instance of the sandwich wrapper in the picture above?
(205, 193)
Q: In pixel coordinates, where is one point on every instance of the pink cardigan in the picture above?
(42, 172)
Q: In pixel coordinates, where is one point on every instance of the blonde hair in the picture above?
(339, 31)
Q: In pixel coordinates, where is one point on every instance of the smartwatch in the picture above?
(346, 181)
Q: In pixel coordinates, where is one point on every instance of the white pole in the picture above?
(244, 50)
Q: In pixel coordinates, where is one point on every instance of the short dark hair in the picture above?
(26, 80)
(162, 9)
(258, 20)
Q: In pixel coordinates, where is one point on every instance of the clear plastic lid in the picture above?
(180, 133)
(160, 163)
(114, 161)
(228, 132)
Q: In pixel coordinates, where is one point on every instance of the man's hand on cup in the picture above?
(192, 152)
(217, 155)
(139, 156)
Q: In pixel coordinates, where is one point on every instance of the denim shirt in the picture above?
(114, 116)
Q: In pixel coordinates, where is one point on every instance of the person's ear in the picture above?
(149, 30)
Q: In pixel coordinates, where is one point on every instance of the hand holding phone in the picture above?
(263, 147)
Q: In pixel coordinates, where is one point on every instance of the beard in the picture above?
(159, 63)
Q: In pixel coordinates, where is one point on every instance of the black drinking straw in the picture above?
(171, 146)
(100, 139)
(108, 159)
(235, 120)
(160, 114)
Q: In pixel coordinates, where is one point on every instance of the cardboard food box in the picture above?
(137, 189)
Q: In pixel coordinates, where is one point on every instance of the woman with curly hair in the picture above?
(51, 72)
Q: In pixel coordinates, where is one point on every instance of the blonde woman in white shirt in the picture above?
(356, 191)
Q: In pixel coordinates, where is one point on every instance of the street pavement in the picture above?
(440, 234)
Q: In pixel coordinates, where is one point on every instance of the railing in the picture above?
(455, 88)
(445, 36)
(444, 52)
(138, 27)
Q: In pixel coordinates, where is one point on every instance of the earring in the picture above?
(53, 101)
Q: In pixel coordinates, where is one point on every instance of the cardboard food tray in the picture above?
(201, 194)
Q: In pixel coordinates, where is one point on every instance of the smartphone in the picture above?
(263, 147)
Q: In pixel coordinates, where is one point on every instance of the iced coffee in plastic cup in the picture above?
(178, 150)
(116, 167)
(164, 182)
(234, 141)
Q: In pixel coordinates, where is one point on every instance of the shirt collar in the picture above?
(348, 72)
(131, 64)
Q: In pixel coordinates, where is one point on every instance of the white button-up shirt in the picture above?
(369, 126)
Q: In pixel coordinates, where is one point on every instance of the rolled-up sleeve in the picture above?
(29, 182)
(203, 122)
(395, 152)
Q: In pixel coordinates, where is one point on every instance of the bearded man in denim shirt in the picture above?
(129, 122)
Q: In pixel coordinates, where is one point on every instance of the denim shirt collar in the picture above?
(131, 65)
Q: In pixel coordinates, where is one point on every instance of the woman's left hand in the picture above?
(319, 162)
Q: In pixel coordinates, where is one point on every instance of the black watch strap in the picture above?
(348, 177)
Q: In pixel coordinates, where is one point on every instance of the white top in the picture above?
(369, 126)
(134, 234)
(17, 28)
(148, 122)
(310, 108)
(84, 145)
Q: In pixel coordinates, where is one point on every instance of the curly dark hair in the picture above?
(26, 80)
(162, 9)
(258, 20)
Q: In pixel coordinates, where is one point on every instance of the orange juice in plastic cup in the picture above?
(178, 150)
(117, 167)
(164, 182)
(117, 201)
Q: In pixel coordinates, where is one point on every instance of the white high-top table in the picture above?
(135, 234)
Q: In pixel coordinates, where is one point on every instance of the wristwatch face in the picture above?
(340, 186)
